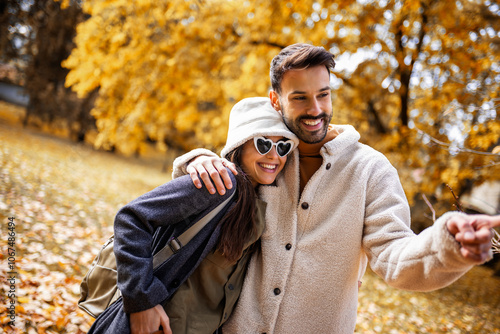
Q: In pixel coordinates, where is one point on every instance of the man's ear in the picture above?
(275, 101)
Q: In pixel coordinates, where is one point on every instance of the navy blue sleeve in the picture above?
(175, 202)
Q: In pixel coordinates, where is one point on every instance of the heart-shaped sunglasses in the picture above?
(264, 145)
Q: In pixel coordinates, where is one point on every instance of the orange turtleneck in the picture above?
(310, 158)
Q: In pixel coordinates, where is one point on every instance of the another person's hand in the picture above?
(211, 169)
(149, 321)
(474, 233)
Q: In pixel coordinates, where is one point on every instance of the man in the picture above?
(337, 203)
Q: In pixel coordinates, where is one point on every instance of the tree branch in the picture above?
(459, 149)
(430, 207)
(259, 42)
(458, 205)
(488, 165)
(378, 122)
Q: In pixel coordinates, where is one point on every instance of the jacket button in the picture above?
(175, 283)
(277, 291)
(230, 287)
(288, 246)
(328, 165)
(305, 205)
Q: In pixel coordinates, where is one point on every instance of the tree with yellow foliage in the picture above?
(426, 91)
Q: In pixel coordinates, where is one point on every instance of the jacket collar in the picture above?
(347, 136)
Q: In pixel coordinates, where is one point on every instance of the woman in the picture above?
(197, 289)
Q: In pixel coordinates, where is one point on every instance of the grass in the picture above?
(64, 197)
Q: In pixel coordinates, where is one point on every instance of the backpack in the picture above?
(99, 289)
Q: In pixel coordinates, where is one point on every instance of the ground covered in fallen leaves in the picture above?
(64, 196)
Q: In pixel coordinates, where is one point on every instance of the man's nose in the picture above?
(314, 108)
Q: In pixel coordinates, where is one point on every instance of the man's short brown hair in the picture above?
(296, 57)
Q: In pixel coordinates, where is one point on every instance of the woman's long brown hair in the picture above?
(238, 225)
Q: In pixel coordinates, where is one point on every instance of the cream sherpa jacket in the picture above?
(304, 279)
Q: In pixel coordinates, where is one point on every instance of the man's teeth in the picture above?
(268, 166)
(312, 122)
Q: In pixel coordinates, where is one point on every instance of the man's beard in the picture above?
(307, 137)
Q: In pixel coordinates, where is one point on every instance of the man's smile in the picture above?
(313, 124)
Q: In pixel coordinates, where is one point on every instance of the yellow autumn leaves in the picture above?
(170, 71)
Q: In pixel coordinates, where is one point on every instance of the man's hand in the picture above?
(211, 169)
(149, 321)
(474, 233)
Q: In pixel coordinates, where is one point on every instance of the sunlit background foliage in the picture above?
(419, 79)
